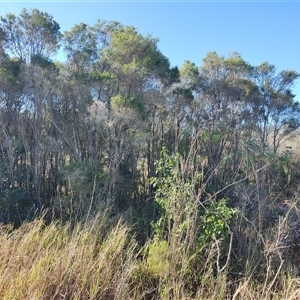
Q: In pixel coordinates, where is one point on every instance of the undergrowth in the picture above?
(92, 261)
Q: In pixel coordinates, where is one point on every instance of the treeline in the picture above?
(93, 129)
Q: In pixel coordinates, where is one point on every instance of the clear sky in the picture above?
(259, 31)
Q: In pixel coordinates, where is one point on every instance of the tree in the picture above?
(134, 59)
(136, 65)
(221, 112)
(12, 158)
(32, 33)
(32, 37)
(277, 112)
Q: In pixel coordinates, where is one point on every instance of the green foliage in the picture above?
(175, 195)
(10, 74)
(215, 217)
(212, 60)
(15, 206)
(104, 76)
(41, 61)
(236, 63)
(216, 137)
(189, 72)
(158, 257)
(121, 102)
(167, 191)
(32, 33)
(185, 229)
(131, 52)
(185, 92)
(173, 75)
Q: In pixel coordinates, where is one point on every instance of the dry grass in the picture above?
(98, 260)
(55, 262)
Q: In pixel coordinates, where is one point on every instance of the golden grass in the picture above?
(55, 262)
(101, 260)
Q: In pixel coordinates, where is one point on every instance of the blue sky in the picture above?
(259, 31)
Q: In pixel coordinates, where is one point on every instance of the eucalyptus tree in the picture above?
(180, 98)
(32, 38)
(275, 107)
(12, 160)
(135, 66)
(134, 59)
(82, 44)
(84, 79)
(220, 109)
(31, 33)
(11, 87)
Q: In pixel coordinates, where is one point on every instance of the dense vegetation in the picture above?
(122, 177)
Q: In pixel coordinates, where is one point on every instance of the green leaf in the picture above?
(216, 137)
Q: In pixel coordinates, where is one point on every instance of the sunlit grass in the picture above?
(102, 260)
(57, 262)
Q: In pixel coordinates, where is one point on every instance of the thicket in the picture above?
(122, 177)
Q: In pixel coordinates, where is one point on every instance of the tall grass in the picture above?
(57, 262)
(102, 260)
